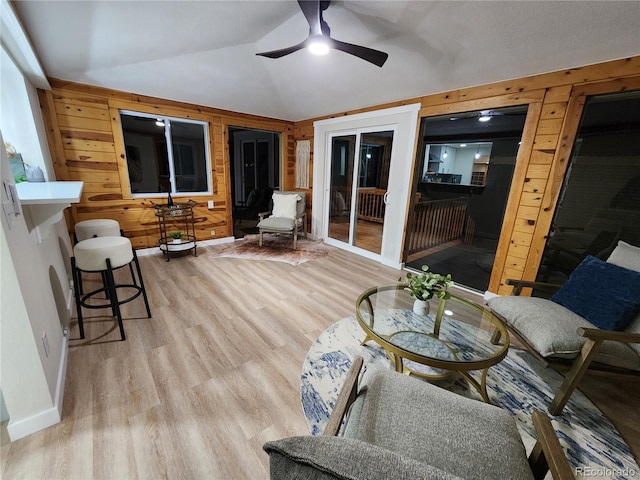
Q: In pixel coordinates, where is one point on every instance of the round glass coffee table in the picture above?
(455, 336)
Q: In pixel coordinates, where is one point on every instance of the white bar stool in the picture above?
(97, 227)
(104, 255)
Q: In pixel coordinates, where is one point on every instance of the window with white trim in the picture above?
(165, 154)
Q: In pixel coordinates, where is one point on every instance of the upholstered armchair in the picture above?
(397, 426)
(592, 320)
(287, 216)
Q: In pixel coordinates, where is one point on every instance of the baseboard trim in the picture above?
(50, 416)
(27, 426)
(62, 373)
(217, 241)
(156, 250)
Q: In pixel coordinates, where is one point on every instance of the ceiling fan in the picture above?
(320, 41)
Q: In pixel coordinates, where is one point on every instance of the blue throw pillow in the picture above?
(607, 295)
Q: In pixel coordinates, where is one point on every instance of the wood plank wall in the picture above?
(85, 140)
(552, 121)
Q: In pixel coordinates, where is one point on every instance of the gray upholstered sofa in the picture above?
(398, 427)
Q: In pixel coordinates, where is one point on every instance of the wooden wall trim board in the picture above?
(518, 184)
(85, 143)
(81, 90)
(496, 101)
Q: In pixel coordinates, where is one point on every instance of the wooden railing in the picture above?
(371, 204)
(439, 221)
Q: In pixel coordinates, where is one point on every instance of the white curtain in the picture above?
(303, 152)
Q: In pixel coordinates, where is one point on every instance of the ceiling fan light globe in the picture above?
(484, 118)
(318, 47)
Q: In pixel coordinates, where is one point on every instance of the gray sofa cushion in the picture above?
(324, 458)
(464, 437)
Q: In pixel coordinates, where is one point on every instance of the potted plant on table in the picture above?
(176, 236)
(423, 286)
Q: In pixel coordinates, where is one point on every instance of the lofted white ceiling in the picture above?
(203, 52)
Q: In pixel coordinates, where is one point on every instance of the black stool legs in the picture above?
(144, 291)
(110, 288)
(77, 287)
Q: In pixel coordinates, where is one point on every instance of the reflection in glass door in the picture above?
(358, 189)
(462, 180)
(342, 165)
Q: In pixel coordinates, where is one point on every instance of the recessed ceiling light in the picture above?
(462, 145)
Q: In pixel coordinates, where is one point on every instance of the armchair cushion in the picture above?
(329, 458)
(277, 224)
(605, 294)
(404, 428)
(550, 328)
(285, 206)
(625, 255)
(628, 256)
(430, 425)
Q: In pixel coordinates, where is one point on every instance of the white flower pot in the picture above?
(421, 307)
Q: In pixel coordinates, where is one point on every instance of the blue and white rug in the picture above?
(519, 384)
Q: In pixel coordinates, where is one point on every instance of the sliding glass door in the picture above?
(358, 180)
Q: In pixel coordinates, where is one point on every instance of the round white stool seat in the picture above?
(91, 254)
(98, 227)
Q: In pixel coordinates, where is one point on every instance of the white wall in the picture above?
(31, 379)
(464, 165)
(448, 164)
(464, 162)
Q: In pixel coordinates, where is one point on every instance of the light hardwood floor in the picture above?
(196, 390)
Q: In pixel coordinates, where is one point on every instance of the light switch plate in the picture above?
(7, 208)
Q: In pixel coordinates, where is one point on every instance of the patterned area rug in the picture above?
(519, 384)
(275, 248)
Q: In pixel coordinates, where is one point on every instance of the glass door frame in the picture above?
(355, 180)
(403, 121)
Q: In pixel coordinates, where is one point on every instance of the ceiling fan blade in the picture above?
(312, 10)
(283, 51)
(370, 55)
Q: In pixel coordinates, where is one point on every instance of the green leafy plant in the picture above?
(176, 235)
(425, 285)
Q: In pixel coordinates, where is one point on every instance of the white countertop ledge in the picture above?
(43, 193)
